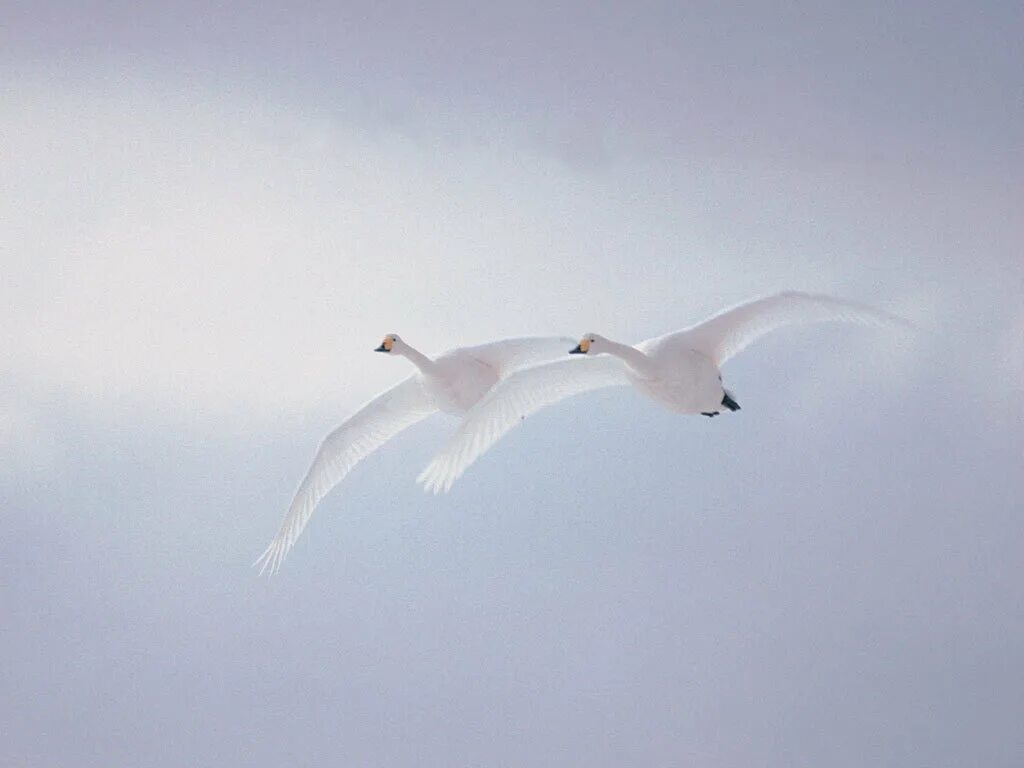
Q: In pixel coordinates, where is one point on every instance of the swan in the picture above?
(679, 370)
(451, 383)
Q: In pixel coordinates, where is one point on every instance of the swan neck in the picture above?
(631, 356)
(417, 358)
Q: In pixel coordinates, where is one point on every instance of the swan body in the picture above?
(683, 381)
(679, 370)
(451, 383)
(457, 380)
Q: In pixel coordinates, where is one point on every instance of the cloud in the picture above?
(842, 558)
(27, 442)
(201, 252)
(197, 251)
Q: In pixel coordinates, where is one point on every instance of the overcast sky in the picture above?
(212, 213)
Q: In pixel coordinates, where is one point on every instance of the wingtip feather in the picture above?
(272, 558)
(436, 479)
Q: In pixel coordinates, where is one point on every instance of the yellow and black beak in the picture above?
(385, 346)
(581, 348)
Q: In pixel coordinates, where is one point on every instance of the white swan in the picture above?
(452, 383)
(679, 370)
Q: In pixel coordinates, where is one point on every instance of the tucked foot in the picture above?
(729, 403)
(709, 415)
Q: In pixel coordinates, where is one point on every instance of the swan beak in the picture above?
(581, 348)
(382, 348)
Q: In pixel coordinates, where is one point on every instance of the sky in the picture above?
(211, 215)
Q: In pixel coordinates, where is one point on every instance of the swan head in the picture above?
(590, 344)
(390, 343)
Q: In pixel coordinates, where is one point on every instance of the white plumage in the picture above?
(451, 383)
(679, 370)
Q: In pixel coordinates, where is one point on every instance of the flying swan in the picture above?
(679, 371)
(452, 383)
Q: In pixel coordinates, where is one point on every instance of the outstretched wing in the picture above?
(731, 331)
(511, 400)
(509, 355)
(364, 432)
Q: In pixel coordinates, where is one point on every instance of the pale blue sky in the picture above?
(213, 213)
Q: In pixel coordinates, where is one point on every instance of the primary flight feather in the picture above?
(451, 383)
(679, 370)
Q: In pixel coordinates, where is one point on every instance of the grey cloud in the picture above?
(830, 577)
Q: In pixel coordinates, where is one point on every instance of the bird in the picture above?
(451, 383)
(680, 371)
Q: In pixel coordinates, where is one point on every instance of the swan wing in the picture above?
(511, 400)
(361, 434)
(732, 330)
(509, 355)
